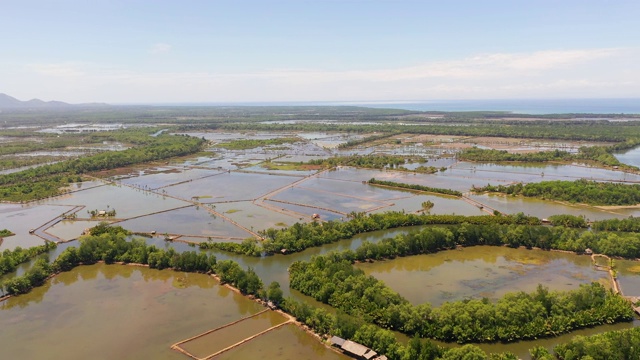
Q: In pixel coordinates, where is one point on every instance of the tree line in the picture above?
(589, 131)
(366, 161)
(301, 236)
(373, 181)
(602, 155)
(10, 259)
(381, 340)
(46, 180)
(245, 144)
(5, 232)
(578, 191)
(367, 139)
(110, 244)
(622, 344)
(630, 224)
(333, 280)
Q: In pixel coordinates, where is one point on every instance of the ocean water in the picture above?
(519, 106)
(522, 106)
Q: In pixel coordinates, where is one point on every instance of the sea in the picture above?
(522, 106)
(518, 106)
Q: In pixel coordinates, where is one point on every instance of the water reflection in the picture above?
(482, 271)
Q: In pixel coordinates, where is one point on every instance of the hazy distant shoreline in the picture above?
(520, 106)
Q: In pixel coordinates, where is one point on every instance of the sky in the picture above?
(217, 51)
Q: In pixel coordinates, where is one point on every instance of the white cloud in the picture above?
(551, 73)
(160, 48)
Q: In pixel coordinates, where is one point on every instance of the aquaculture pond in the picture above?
(249, 214)
(128, 202)
(545, 208)
(190, 221)
(273, 268)
(482, 271)
(125, 312)
(144, 311)
(537, 172)
(631, 157)
(156, 178)
(67, 230)
(286, 343)
(235, 186)
(20, 219)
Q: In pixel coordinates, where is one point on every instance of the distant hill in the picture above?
(9, 102)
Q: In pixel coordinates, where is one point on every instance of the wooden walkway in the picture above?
(180, 349)
(309, 206)
(609, 269)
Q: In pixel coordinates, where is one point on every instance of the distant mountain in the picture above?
(8, 102)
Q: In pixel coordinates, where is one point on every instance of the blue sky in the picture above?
(143, 51)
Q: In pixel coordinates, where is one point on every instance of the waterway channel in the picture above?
(84, 312)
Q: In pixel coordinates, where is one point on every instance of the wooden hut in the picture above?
(358, 351)
(337, 341)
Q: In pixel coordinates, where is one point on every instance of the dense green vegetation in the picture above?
(189, 117)
(9, 260)
(631, 224)
(579, 191)
(381, 340)
(5, 232)
(109, 244)
(366, 161)
(302, 236)
(373, 181)
(365, 140)
(623, 344)
(16, 162)
(254, 143)
(514, 231)
(435, 238)
(597, 154)
(46, 180)
(565, 220)
(333, 280)
(561, 130)
(477, 154)
(25, 146)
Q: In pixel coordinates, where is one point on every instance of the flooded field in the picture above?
(482, 271)
(248, 214)
(67, 230)
(20, 219)
(225, 195)
(128, 202)
(285, 343)
(141, 310)
(156, 178)
(631, 157)
(542, 208)
(188, 221)
(233, 186)
(224, 337)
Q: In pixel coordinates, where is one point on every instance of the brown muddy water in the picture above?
(220, 339)
(127, 312)
(121, 312)
(482, 271)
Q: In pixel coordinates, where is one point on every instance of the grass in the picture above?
(251, 144)
(287, 166)
(5, 233)
(634, 269)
